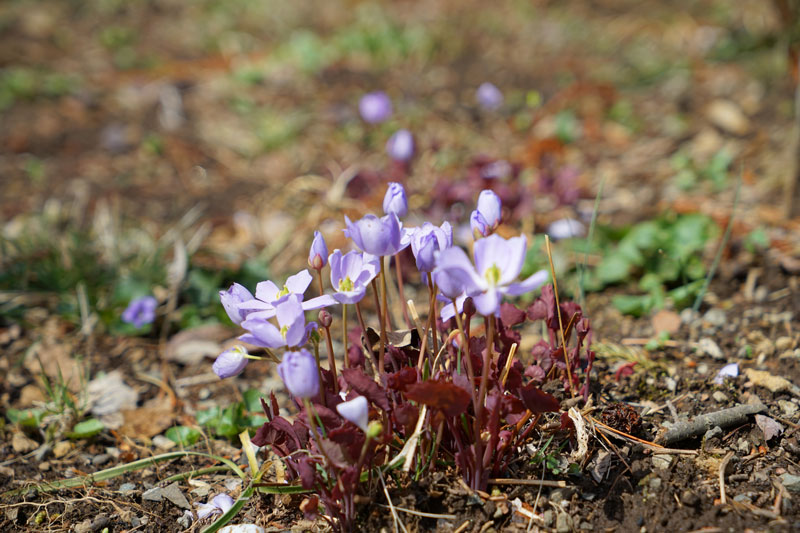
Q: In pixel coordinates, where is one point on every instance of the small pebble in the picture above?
(788, 408)
(688, 497)
(742, 498)
(61, 449)
(101, 459)
(720, 397)
(127, 488)
(44, 467)
(163, 443)
(702, 369)
(563, 523)
(153, 495)
(791, 482)
(662, 461)
(715, 317)
(23, 444)
(783, 343)
(708, 347)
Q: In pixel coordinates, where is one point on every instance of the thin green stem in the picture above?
(432, 312)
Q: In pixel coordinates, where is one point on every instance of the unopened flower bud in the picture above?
(395, 200)
(374, 429)
(299, 373)
(325, 318)
(318, 254)
(469, 307)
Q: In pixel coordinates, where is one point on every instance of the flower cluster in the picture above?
(388, 388)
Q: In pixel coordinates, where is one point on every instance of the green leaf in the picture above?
(183, 435)
(86, 429)
(613, 268)
(25, 417)
(209, 417)
(635, 305)
(252, 400)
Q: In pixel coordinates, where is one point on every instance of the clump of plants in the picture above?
(448, 390)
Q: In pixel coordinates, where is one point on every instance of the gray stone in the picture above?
(719, 396)
(715, 317)
(716, 431)
(708, 347)
(153, 495)
(101, 459)
(742, 498)
(559, 495)
(788, 408)
(655, 484)
(662, 461)
(548, 517)
(563, 523)
(173, 493)
(791, 482)
(126, 488)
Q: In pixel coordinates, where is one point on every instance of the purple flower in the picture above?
(230, 362)
(375, 107)
(376, 236)
(356, 411)
(498, 262)
(400, 146)
(427, 240)
(730, 370)
(232, 300)
(395, 200)
(291, 331)
(485, 219)
(298, 370)
(140, 311)
(566, 228)
(218, 505)
(350, 275)
(269, 295)
(448, 311)
(318, 254)
(488, 96)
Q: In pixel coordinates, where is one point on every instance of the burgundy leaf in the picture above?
(511, 315)
(538, 401)
(365, 386)
(406, 415)
(401, 379)
(306, 472)
(328, 417)
(443, 395)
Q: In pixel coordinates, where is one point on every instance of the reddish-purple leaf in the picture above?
(365, 386)
(401, 379)
(538, 401)
(451, 399)
(511, 315)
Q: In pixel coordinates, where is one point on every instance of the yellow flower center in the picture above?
(284, 291)
(345, 285)
(492, 275)
(284, 330)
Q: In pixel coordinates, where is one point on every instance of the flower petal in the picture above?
(299, 282)
(532, 282)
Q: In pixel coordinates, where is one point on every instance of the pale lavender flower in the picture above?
(318, 254)
(232, 300)
(448, 311)
(427, 241)
(291, 331)
(219, 504)
(356, 411)
(140, 311)
(269, 295)
(566, 228)
(498, 262)
(351, 273)
(230, 362)
(299, 373)
(375, 107)
(395, 200)
(376, 236)
(485, 219)
(400, 146)
(728, 371)
(489, 96)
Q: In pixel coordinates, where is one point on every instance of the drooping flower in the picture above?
(498, 262)
(489, 96)
(298, 370)
(292, 329)
(566, 228)
(219, 504)
(376, 236)
(230, 362)
(356, 411)
(485, 219)
(350, 275)
(232, 300)
(140, 311)
(400, 146)
(318, 254)
(448, 311)
(375, 107)
(395, 200)
(427, 240)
